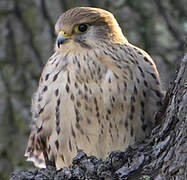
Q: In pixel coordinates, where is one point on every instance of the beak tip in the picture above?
(58, 44)
(61, 39)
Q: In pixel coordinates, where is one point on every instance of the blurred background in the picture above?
(26, 42)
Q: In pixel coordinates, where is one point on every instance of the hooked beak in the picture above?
(61, 39)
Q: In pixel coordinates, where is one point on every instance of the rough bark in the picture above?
(161, 156)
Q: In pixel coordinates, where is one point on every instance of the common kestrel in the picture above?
(97, 92)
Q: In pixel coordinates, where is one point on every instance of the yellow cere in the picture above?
(64, 33)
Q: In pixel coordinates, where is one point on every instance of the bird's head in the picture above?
(86, 28)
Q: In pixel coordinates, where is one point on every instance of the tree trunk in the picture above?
(161, 156)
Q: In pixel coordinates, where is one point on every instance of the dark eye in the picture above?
(82, 27)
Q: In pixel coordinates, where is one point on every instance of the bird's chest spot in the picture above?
(88, 70)
(109, 75)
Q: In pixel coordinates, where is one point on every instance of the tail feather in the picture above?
(33, 152)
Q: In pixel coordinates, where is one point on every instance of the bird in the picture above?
(97, 92)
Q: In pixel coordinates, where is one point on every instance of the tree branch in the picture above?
(172, 26)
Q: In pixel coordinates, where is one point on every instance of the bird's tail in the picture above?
(34, 152)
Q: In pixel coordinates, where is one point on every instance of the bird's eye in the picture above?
(81, 28)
